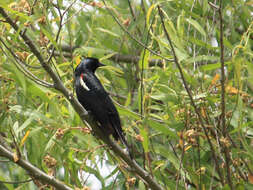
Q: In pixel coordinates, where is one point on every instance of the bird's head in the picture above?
(88, 64)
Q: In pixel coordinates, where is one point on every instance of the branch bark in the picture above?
(223, 102)
(33, 171)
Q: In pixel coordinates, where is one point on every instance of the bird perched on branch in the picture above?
(93, 97)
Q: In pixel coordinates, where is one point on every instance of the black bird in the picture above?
(93, 97)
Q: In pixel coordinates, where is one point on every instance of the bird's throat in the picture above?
(83, 83)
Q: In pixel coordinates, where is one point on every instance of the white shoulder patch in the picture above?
(83, 84)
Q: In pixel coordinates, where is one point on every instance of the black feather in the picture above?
(93, 97)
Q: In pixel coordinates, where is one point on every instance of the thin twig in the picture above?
(131, 36)
(4, 160)
(180, 163)
(131, 10)
(223, 118)
(61, 24)
(223, 106)
(58, 32)
(32, 7)
(142, 91)
(22, 68)
(190, 95)
(16, 182)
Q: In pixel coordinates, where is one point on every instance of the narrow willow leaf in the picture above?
(108, 32)
(149, 13)
(144, 61)
(202, 58)
(196, 25)
(180, 23)
(145, 142)
(126, 112)
(214, 66)
(107, 56)
(15, 128)
(201, 43)
(173, 159)
(17, 76)
(91, 50)
(96, 173)
(128, 100)
(50, 143)
(163, 128)
(25, 124)
(114, 69)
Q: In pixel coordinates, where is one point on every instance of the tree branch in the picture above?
(33, 171)
(16, 182)
(223, 103)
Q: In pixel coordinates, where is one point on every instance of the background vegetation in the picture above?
(180, 72)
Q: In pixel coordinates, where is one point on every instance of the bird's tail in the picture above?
(123, 140)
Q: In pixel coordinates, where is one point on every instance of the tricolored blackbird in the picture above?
(93, 97)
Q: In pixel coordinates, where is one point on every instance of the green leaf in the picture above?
(126, 112)
(92, 51)
(25, 124)
(196, 25)
(149, 13)
(113, 69)
(210, 67)
(33, 113)
(163, 128)
(180, 24)
(202, 58)
(16, 75)
(201, 43)
(128, 100)
(144, 61)
(108, 32)
(49, 36)
(96, 173)
(107, 56)
(15, 128)
(6, 178)
(145, 142)
(16, 13)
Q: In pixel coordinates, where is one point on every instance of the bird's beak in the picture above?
(101, 64)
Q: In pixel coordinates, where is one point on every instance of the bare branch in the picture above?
(131, 10)
(223, 103)
(33, 171)
(16, 182)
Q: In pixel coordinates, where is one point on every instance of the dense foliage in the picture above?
(185, 106)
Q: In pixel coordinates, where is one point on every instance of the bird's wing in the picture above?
(90, 82)
(104, 110)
